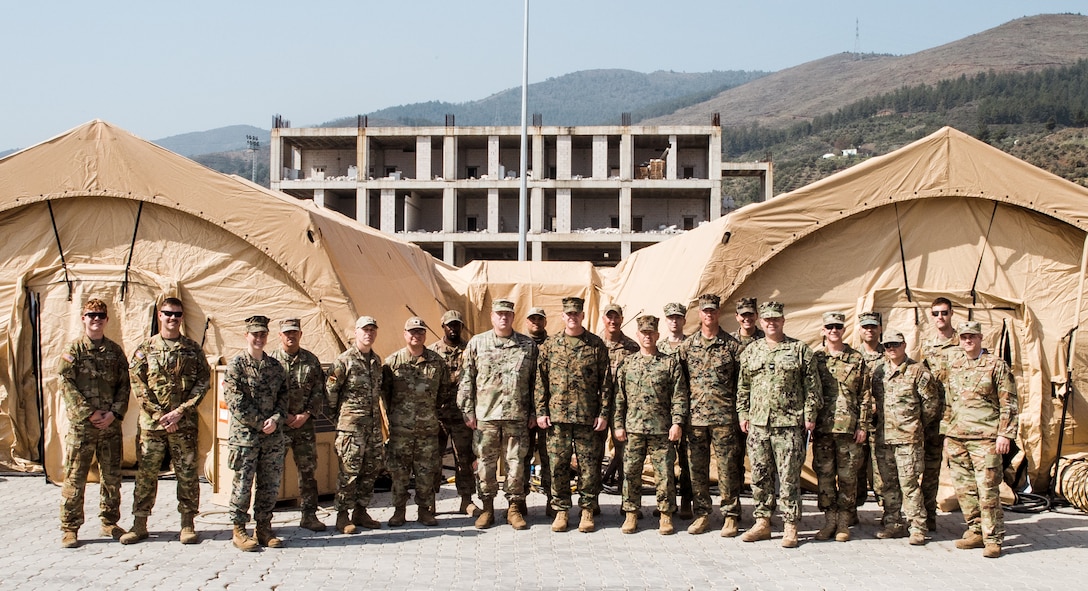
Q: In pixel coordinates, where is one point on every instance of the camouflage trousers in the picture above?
(303, 445)
(931, 473)
(150, 453)
(361, 456)
(835, 458)
(662, 454)
(538, 447)
(776, 452)
(900, 467)
(976, 471)
(728, 448)
(510, 440)
(461, 436)
(81, 447)
(564, 440)
(262, 463)
(415, 453)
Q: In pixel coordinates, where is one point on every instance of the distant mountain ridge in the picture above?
(221, 139)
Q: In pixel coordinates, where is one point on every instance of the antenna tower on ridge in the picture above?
(857, 38)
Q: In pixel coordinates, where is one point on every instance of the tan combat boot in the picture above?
(468, 507)
(699, 525)
(970, 541)
(311, 522)
(344, 524)
(664, 526)
(515, 517)
(242, 540)
(831, 524)
(265, 537)
(113, 531)
(426, 517)
(487, 516)
(68, 539)
(992, 551)
(523, 507)
(138, 531)
(559, 524)
(917, 538)
(892, 530)
(630, 522)
(760, 531)
(188, 533)
(586, 525)
(729, 529)
(842, 531)
(397, 519)
(789, 535)
(360, 518)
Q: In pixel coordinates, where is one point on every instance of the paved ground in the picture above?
(1042, 551)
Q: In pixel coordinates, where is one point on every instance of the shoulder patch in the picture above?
(139, 354)
(68, 357)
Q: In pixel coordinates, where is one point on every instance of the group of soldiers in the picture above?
(563, 398)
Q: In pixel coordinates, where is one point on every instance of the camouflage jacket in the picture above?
(354, 387)
(712, 366)
(574, 379)
(411, 386)
(779, 384)
(447, 397)
(168, 375)
(668, 347)
(305, 382)
(745, 341)
(497, 377)
(846, 390)
(651, 394)
(938, 354)
(982, 394)
(93, 377)
(255, 391)
(906, 402)
(617, 350)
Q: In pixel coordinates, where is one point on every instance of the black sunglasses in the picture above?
(941, 313)
(95, 315)
(834, 326)
(171, 313)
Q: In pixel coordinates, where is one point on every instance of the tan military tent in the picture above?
(946, 215)
(98, 212)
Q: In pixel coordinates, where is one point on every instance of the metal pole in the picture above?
(523, 207)
(254, 143)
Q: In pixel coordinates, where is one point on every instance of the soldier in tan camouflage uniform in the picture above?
(711, 358)
(305, 395)
(169, 376)
(454, 429)
(937, 353)
(841, 426)
(495, 395)
(411, 381)
(748, 326)
(985, 421)
(94, 384)
(871, 329)
(573, 401)
(536, 326)
(651, 409)
(255, 390)
(354, 386)
(778, 398)
(905, 395)
(675, 317)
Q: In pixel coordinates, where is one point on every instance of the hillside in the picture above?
(222, 139)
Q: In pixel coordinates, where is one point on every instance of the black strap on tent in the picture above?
(204, 337)
(34, 303)
(978, 269)
(56, 234)
(131, 249)
(903, 262)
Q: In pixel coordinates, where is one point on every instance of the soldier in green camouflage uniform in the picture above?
(675, 317)
(905, 395)
(619, 346)
(870, 327)
(982, 394)
(778, 398)
(354, 387)
(412, 379)
(937, 353)
(305, 395)
(841, 426)
(748, 326)
(651, 408)
(498, 372)
(94, 384)
(711, 360)
(573, 402)
(536, 323)
(169, 376)
(454, 429)
(255, 390)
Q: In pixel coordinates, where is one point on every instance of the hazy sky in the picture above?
(159, 69)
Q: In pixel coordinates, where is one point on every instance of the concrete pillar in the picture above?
(493, 157)
(600, 156)
(296, 159)
(493, 211)
(536, 210)
(319, 198)
(539, 169)
(714, 172)
(362, 206)
(389, 211)
(625, 209)
(562, 157)
(449, 209)
(447, 252)
(362, 155)
(670, 159)
(766, 183)
(423, 157)
(538, 251)
(449, 157)
(275, 161)
(562, 210)
(625, 250)
(627, 157)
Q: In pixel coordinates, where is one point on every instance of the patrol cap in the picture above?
(613, 308)
(647, 323)
(834, 318)
(452, 316)
(675, 309)
(365, 321)
(573, 304)
(257, 324)
(969, 327)
(746, 305)
(415, 322)
(892, 336)
(771, 310)
(869, 319)
(709, 301)
(538, 311)
(289, 324)
(502, 306)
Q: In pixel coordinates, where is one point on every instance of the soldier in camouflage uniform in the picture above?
(412, 379)
(651, 409)
(536, 323)
(748, 326)
(841, 427)
(94, 384)
(619, 346)
(870, 327)
(711, 358)
(573, 402)
(778, 398)
(255, 390)
(495, 395)
(905, 395)
(985, 421)
(305, 395)
(450, 347)
(937, 353)
(675, 317)
(169, 376)
(354, 386)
